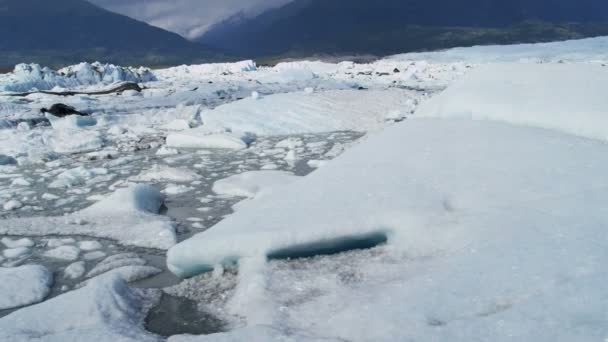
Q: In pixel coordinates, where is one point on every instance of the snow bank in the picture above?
(129, 215)
(27, 77)
(105, 310)
(24, 285)
(294, 113)
(488, 224)
(250, 184)
(564, 97)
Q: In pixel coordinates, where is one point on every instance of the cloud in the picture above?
(190, 18)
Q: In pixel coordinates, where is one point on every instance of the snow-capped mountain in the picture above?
(69, 31)
(392, 26)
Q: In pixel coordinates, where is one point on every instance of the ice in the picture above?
(202, 138)
(75, 270)
(129, 215)
(581, 50)
(14, 243)
(12, 205)
(70, 122)
(134, 273)
(16, 252)
(473, 203)
(54, 243)
(105, 310)
(258, 333)
(166, 173)
(177, 189)
(294, 113)
(206, 70)
(23, 286)
(26, 77)
(251, 184)
(563, 97)
(89, 245)
(69, 253)
(76, 176)
(7, 160)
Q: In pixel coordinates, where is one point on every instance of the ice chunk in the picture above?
(202, 138)
(7, 160)
(24, 242)
(13, 253)
(24, 285)
(71, 122)
(75, 270)
(128, 215)
(564, 97)
(105, 310)
(165, 173)
(69, 253)
(12, 205)
(293, 113)
(89, 245)
(76, 176)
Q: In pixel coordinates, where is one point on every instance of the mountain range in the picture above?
(59, 32)
(305, 27)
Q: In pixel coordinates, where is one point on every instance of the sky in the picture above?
(190, 18)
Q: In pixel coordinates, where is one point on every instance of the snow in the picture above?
(129, 215)
(105, 310)
(24, 285)
(27, 77)
(563, 97)
(253, 183)
(474, 202)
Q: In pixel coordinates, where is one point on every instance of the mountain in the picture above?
(305, 27)
(59, 32)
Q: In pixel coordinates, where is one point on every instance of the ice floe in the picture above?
(24, 285)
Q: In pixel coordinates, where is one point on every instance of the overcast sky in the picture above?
(189, 18)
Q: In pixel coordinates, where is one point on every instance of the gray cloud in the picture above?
(190, 18)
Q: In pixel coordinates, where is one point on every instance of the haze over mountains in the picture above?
(391, 26)
(70, 31)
